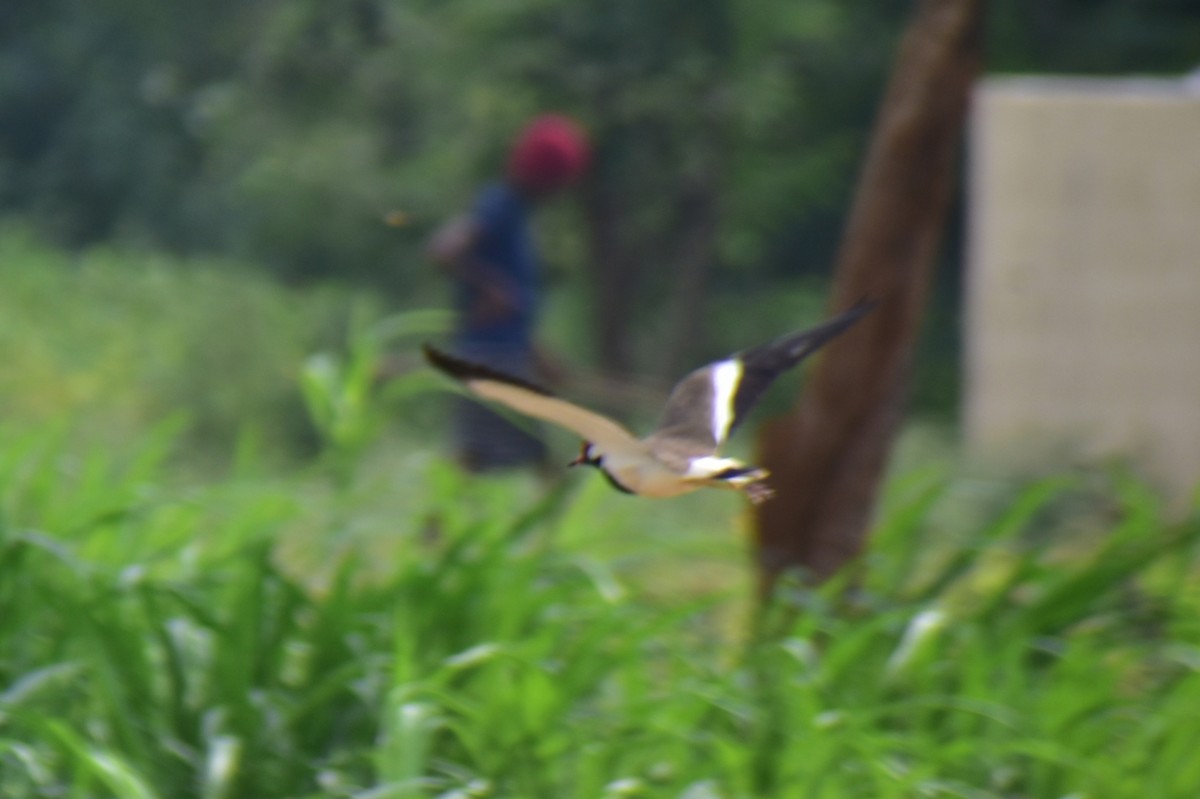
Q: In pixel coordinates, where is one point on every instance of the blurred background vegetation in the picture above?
(231, 565)
(280, 132)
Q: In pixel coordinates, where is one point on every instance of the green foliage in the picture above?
(118, 340)
(1105, 37)
(381, 628)
(344, 400)
(158, 643)
(282, 131)
(282, 134)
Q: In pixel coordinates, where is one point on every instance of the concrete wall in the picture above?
(1083, 287)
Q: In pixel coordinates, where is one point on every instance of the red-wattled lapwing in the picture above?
(702, 410)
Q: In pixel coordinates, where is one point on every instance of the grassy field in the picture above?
(226, 571)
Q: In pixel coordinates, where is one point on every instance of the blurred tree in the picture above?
(283, 130)
(1094, 36)
(827, 458)
(94, 140)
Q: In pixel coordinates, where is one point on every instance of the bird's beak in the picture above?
(583, 456)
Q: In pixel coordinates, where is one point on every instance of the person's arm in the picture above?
(450, 243)
(451, 247)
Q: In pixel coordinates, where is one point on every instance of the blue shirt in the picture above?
(505, 245)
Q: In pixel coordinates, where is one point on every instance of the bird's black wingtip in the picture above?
(442, 361)
(466, 371)
(850, 316)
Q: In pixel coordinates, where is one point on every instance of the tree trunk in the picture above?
(828, 455)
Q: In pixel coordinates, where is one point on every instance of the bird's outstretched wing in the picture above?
(533, 400)
(762, 364)
(707, 405)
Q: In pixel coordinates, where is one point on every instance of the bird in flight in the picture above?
(703, 409)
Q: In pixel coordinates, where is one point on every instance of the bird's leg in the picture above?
(758, 492)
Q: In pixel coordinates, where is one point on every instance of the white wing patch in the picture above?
(706, 467)
(725, 378)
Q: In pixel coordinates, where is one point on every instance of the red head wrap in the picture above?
(551, 153)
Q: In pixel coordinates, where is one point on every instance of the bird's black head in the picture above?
(587, 456)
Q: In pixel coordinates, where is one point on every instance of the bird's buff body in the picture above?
(645, 475)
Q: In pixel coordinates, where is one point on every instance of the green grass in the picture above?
(367, 623)
(113, 340)
(495, 655)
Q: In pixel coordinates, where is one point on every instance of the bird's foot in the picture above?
(758, 493)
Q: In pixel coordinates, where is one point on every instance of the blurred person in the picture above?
(490, 254)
